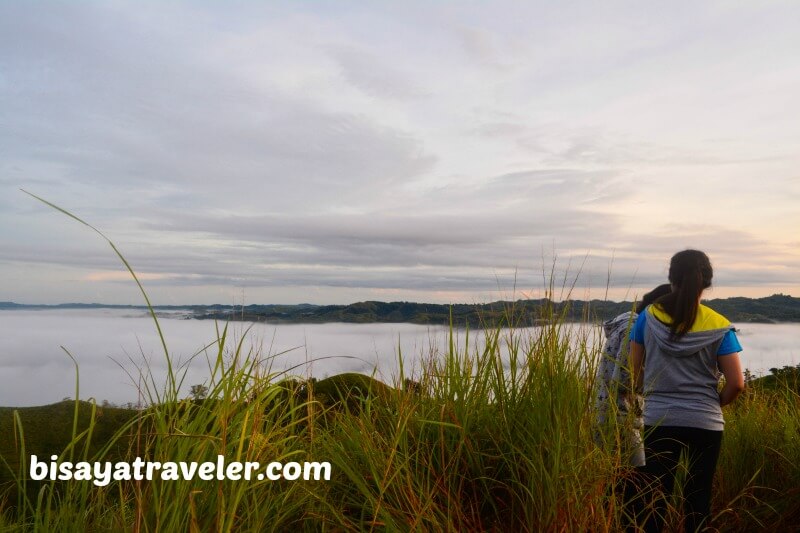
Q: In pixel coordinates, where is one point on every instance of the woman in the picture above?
(614, 381)
(678, 347)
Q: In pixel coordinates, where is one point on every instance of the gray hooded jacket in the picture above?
(681, 376)
(613, 377)
(613, 384)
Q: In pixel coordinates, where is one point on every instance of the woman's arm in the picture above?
(734, 380)
(637, 364)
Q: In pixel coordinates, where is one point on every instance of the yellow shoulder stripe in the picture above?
(707, 318)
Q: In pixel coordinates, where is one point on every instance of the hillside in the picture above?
(48, 429)
(775, 308)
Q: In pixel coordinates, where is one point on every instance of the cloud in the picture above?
(373, 75)
(420, 148)
(481, 46)
(146, 116)
(121, 276)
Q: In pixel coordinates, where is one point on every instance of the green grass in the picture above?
(49, 429)
(760, 460)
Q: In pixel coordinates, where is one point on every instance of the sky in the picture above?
(333, 152)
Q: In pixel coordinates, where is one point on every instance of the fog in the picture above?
(110, 346)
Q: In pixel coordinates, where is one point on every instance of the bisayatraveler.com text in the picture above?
(101, 473)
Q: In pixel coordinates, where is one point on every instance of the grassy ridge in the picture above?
(48, 429)
(483, 442)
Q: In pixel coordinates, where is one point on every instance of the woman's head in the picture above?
(690, 274)
(690, 269)
(653, 295)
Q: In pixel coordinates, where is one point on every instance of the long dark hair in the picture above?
(652, 296)
(690, 274)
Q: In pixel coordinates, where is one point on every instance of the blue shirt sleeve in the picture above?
(730, 344)
(637, 331)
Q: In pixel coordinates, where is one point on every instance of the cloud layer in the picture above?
(431, 152)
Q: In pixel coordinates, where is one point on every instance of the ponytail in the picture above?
(690, 274)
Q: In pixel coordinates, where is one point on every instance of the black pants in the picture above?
(663, 448)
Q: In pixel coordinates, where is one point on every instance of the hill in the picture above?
(776, 308)
(771, 309)
(48, 429)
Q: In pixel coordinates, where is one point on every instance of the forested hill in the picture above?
(775, 308)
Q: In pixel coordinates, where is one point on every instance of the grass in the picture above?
(495, 435)
(466, 448)
(760, 460)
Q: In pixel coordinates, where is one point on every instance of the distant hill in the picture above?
(775, 308)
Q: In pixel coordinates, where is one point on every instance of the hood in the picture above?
(620, 321)
(709, 327)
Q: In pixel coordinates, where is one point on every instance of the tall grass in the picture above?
(758, 477)
(495, 436)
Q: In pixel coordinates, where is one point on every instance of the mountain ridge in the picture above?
(769, 309)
